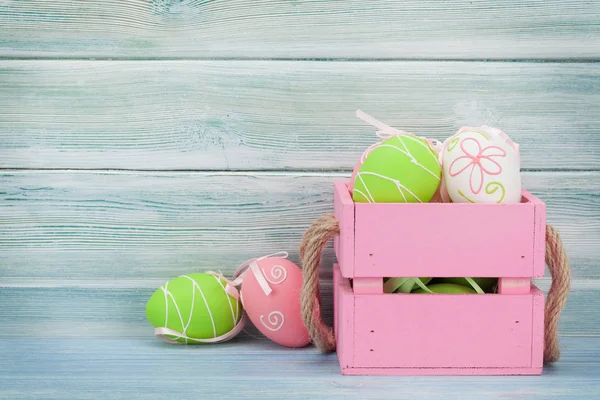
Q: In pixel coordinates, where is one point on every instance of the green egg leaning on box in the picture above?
(447, 288)
(403, 285)
(195, 308)
(401, 169)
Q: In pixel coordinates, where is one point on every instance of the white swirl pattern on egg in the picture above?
(278, 274)
(274, 322)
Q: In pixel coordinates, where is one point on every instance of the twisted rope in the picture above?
(315, 240)
(558, 264)
(327, 227)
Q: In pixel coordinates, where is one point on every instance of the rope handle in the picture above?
(560, 270)
(315, 240)
(327, 227)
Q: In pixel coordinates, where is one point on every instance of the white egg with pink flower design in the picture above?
(481, 165)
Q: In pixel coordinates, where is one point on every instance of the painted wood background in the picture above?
(142, 139)
(481, 29)
(274, 115)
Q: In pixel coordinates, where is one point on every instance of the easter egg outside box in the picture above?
(402, 285)
(447, 288)
(402, 169)
(481, 165)
(197, 307)
(275, 314)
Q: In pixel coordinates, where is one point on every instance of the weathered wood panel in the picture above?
(483, 29)
(83, 369)
(78, 224)
(267, 115)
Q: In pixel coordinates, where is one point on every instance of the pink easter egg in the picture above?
(276, 314)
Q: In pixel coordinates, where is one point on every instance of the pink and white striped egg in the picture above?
(275, 308)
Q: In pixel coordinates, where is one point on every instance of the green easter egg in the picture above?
(486, 284)
(195, 305)
(402, 169)
(402, 285)
(447, 288)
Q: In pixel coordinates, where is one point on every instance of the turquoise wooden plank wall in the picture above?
(142, 139)
(481, 29)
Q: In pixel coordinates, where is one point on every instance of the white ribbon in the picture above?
(238, 276)
(162, 334)
(386, 132)
(252, 265)
(229, 288)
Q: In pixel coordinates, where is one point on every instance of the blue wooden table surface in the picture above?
(249, 368)
(144, 139)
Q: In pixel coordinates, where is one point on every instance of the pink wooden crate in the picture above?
(429, 334)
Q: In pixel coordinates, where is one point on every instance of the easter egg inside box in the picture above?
(277, 314)
(447, 288)
(481, 165)
(486, 284)
(196, 306)
(401, 169)
(403, 285)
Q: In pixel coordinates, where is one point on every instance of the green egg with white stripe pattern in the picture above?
(196, 306)
(402, 169)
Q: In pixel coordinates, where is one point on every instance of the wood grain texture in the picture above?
(82, 224)
(469, 239)
(270, 115)
(94, 308)
(447, 331)
(301, 29)
(49, 308)
(117, 369)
